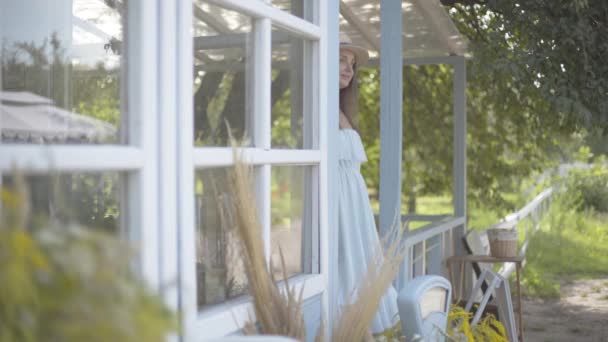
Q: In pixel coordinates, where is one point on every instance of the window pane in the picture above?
(293, 229)
(222, 41)
(291, 109)
(220, 270)
(300, 8)
(87, 199)
(62, 71)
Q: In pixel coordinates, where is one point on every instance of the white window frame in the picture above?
(229, 317)
(137, 160)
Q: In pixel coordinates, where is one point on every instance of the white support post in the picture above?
(391, 130)
(142, 127)
(167, 151)
(460, 160)
(185, 171)
(328, 173)
(260, 102)
(460, 143)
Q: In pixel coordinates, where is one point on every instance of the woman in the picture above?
(358, 237)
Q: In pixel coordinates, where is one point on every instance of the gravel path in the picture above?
(581, 314)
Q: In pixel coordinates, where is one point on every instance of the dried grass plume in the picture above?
(277, 313)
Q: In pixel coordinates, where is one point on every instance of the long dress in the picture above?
(358, 238)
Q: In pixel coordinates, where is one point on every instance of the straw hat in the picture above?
(361, 54)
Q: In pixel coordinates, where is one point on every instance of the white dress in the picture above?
(357, 229)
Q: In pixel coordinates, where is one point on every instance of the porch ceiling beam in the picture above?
(280, 18)
(450, 60)
(212, 21)
(426, 8)
(367, 31)
(90, 28)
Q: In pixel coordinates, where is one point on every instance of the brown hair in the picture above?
(349, 97)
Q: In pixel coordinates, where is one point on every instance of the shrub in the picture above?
(589, 187)
(68, 283)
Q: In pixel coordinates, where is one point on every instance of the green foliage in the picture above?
(89, 199)
(286, 195)
(589, 187)
(28, 67)
(67, 283)
(552, 53)
(427, 129)
(481, 216)
(97, 94)
(506, 143)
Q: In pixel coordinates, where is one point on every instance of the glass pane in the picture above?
(222, 41)
(291, 110)
(62, 71)
(292, 228)
(220, 270)
(90, 200)
(300, 8)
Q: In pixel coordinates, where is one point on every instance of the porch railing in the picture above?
(428, 247)
(527, 220)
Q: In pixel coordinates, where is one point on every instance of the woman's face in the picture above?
(347, 62)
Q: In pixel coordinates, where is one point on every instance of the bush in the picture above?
(589, 187)
(68, 283)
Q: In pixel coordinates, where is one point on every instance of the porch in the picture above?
(151, 166)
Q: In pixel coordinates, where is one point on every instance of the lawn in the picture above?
(570, 245)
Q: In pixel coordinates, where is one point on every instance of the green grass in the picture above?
(431, 205)
(434, 205)
(426, 205)
(570, 245)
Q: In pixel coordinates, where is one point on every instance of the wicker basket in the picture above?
(503, 242)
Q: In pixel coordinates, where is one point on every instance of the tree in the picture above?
(558, 47)
(536, 78)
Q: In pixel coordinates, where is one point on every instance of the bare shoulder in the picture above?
(344, 123)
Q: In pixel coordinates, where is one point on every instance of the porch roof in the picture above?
(428, 30)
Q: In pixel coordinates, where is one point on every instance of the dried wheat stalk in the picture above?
(277, 313)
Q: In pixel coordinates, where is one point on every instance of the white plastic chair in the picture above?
(424, 304)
